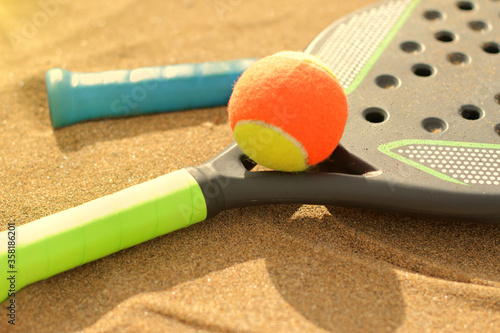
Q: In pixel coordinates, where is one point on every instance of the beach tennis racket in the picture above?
(77, 97)
(422, 137)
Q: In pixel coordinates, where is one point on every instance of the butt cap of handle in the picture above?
(59, 91)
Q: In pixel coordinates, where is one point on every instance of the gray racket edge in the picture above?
(423, 133)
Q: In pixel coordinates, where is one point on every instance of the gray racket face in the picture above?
(423, 132)
(423, 84)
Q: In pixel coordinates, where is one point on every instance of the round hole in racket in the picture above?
(411, 47)
(375, 115)
(433, 15)
(423, 70)
(465, 5)
(479, 26)
(247, 162)
(434, 125)
(457, 58)
(387, 82)
(471, 112)
(445, 36)
(491, 47)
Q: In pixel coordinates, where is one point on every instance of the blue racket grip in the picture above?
(76, 97)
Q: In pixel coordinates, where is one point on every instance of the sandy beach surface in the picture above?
(281, 268)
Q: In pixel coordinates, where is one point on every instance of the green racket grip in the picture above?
(71, 238)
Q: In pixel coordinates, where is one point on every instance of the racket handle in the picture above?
(98, 228)
(76, 97)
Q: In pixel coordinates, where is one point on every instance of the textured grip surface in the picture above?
(98, 228)
(76, 97)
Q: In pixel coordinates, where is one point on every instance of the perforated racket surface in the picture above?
(434, 92)
(427, 113)
(423, 134)
(422, 137)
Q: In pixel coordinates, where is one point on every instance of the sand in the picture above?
(283, 268)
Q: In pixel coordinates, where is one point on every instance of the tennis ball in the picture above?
(288, 111)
